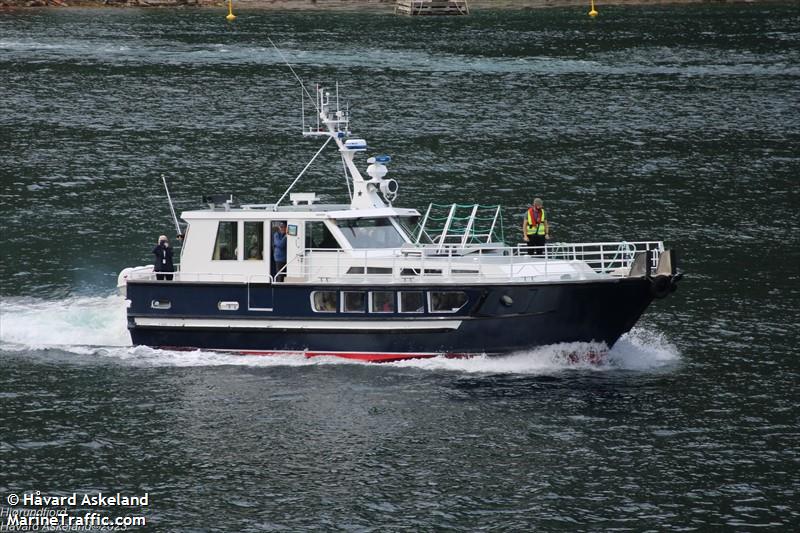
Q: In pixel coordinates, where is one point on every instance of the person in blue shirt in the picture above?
(279, 251)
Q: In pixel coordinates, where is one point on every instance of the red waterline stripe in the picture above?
(359, 356)
(377, 357)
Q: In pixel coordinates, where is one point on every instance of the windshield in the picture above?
(371, 233)
(411, 226)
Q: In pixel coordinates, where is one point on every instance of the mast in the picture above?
(335, 124)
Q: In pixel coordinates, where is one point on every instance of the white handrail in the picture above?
(448, 264)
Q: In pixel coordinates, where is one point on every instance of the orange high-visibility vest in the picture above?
(536, 227)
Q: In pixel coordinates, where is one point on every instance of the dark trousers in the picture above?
(278, 274)
(534, 241)
(167, 277)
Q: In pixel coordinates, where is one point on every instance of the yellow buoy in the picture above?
(593, 12)
(231, 17)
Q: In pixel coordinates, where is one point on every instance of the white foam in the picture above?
(96, 327)
(32, 323)
(643, 349)
(638, 350)
(149, 357)
(537, 361)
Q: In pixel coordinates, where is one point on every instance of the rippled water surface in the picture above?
(674, 123)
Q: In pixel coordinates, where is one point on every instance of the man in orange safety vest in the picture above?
(535, 228)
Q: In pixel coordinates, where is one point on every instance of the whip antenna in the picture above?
(171, 207)
(302, 85)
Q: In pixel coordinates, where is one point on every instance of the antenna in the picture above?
(301, 173)
(171, 208)
(292, 69)
(347, 180)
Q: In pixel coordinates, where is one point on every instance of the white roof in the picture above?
(378, 212)
(264, 214)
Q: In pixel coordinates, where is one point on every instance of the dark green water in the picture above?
(674, 123)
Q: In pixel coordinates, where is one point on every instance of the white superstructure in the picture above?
(368, 239)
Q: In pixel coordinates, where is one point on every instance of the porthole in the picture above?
(161, 304)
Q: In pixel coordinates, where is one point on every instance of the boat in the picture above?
(372, 281)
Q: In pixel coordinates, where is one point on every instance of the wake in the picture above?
(95, 327)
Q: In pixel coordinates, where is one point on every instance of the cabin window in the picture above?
(254, 240)
(371, 233)
(228, 306)
(412, 302)
(354, 302)
(319, 236)
(323, 301)
(446, 302)
(381, 302)
(408, 272)
(370, 270)
(225, 249)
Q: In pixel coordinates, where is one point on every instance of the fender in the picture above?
(661, 286)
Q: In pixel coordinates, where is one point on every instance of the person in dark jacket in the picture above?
(163, 262)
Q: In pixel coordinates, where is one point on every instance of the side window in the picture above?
(254, 240)
(446, 302)
(227, 239)
(381, 302)
(412, 302)
(319, 236)
(324, 301)
(354, 302)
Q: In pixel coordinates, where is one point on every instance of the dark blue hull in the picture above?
(496, 319)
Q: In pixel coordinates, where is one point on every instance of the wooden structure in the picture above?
(432, 7)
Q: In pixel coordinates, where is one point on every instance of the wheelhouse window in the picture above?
(371, 233)
(446, 301)
(254, 240)
(324, 301)
(412, 302)
(411, 226)
(227, 241)
(319, 236)
(354, 302)
(381, 302)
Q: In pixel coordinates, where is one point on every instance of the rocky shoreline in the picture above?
(380, 5)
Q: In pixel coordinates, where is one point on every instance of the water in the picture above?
(677, 123)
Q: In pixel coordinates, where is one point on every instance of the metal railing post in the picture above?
(443, 237)
(470, 223)
(424, 223)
